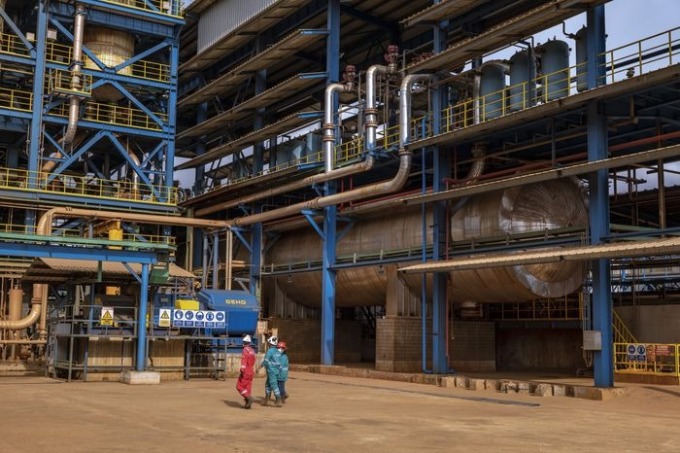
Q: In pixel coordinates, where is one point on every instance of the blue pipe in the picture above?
(141, 319)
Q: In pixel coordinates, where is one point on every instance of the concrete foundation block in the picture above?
(596, 394)
(461, 381)
(559, 390)
(449, 382)
(475, 384)
(523, 387)
(508, 387)
(140, 377)
(543, 390)
(492, 385)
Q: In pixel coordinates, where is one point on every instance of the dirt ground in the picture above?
(327, 414)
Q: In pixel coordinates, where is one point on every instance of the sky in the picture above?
(626, 21)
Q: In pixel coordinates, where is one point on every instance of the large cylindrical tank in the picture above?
(492, 89)
(531, 208)
(581, 59)
(555, 66)
(112, 47)
(537, 207)
(522, 74)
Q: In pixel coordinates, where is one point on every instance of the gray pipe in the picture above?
(405, 106)
(360, 167)
(329, 124)
(381, 188)
(371, 110)
(76, 82)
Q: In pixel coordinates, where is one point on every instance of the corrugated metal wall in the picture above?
(224, 16)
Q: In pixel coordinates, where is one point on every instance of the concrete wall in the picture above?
(473, 346)
(303, 339)
(652, 323)
(398, 344)
(539, 349)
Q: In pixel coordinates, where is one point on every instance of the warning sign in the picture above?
(164, 317)
(106, 318)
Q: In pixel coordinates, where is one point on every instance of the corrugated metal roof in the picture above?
(107, 267)
(583, 253)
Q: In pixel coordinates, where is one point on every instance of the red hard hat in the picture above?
(282, 344)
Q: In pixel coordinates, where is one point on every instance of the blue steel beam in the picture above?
(441, 170)
(65, 199)
(141, 320)
(598, 212)
(328, 275)
(16, 59)
(151, 16)
(96, 74)
(171, 126)
(71, 158)
(75, 253)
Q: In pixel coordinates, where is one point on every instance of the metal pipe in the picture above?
(384, 187)
(371, 111)
(23, 341)
(40, 291)
(76, 67)
(360, 167)
(405, 106)
(329, 111)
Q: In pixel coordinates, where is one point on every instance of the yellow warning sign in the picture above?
(164, 318)
(106, 318)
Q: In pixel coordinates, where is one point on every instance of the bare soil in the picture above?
(327, 414)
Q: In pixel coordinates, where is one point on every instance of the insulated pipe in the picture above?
(40, 291)
(371, 110)
(329, 125)
(360, 167)
(76, 67)
(373, 190)
(405, 106)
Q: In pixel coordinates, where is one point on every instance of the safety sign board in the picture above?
(106, 317)
(164, 317)
(199, 318)
(636, 352)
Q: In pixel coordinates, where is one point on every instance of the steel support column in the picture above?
(440, 170)
(141, 319)
(329, 222)
(35, 136)
(599, 201)
(258, 164)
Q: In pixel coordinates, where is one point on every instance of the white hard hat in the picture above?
(273, 340)
(247, 339)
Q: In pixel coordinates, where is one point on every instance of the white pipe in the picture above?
(381, 188)
(371, 111)
(405, 106)
(329, 124)
(76, 82)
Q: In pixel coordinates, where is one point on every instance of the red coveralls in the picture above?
(244, 384)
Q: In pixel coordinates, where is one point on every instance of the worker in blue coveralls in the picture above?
(272, 365)
(283, 370)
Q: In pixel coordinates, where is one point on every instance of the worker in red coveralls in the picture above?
(244, 384)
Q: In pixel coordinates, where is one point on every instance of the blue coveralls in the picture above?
(283, 373)
(272, 365)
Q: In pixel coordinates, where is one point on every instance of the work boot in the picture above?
(266, 400)
(249, 402)
(277, 403)
(284, 398)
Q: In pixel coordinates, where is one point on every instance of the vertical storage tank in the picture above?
(112, 47)
(581, 58)
(555, 70)
(522, 85)
(492, 89)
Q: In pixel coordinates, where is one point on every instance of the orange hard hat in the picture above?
(282, 345)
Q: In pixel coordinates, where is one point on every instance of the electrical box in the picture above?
(592, 340)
